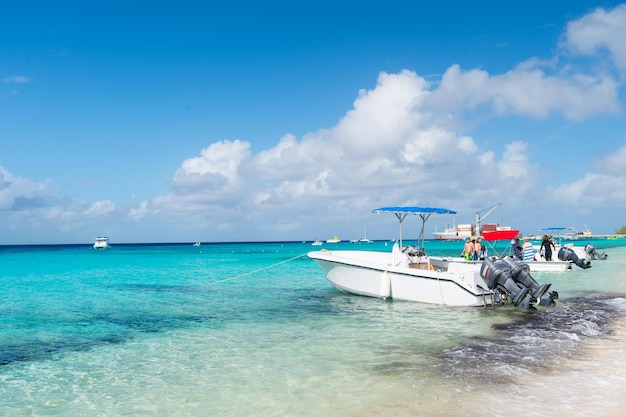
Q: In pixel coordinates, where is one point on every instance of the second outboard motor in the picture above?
(568, 254)
(593, 253)
(498, 273)
(520, 272)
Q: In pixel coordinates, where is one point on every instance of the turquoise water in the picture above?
(255, 329)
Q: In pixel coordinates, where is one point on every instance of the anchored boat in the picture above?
(408, 273)
(102, 242)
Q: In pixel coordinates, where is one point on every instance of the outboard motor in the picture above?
(498, 274)
(592, 252)
(568, 254)
(520, 272)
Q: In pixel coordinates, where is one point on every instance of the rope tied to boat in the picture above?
(257, 270)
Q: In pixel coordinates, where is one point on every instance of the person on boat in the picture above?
(483, 253)
(468, 250)
(546, 247)
(477, 247)
(517, 249)
(529, 251)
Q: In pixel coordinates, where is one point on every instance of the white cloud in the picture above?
(22, 194)
(215, 172)
(597, 33)
(604, 186)
(390, 147)
(514, 167)
(16, 79)
(100, 208)
(34, 202)
(526, 90)
(613, 163)
(140, 212)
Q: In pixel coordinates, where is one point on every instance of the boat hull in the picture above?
(446, 236)
(376, 274)
(548, 266)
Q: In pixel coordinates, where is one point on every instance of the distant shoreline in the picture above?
(610, 237)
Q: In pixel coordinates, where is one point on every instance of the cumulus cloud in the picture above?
(390, 146)
(527, 90)
(215, 173)
(597, 34)
(22, 194)
(593, 189)
(34, 202)
(613, 163)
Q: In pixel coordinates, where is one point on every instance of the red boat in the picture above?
(493, 232)
(500, 234)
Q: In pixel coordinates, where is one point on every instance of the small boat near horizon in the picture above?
(334, 240)
(365, 239)
(317, 243)
(450, 233)
(408, 273)
(101, 242)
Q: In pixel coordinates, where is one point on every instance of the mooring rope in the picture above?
(257, 270)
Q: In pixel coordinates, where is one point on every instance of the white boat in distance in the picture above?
(450, 233)
(365, 239)
(102, 242)
(407, 273)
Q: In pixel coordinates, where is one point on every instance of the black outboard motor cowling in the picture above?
(568, 254)
(497, 274)
(521, 274)
(593, 253)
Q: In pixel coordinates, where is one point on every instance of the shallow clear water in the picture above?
(255, 329)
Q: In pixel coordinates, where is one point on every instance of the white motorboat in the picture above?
(459, 232)
(407, 273)
(450, 233)
(579, 255)
(333, 240)
(102, 242)
(317, 243)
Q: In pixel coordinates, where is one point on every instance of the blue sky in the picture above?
(269, 121)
